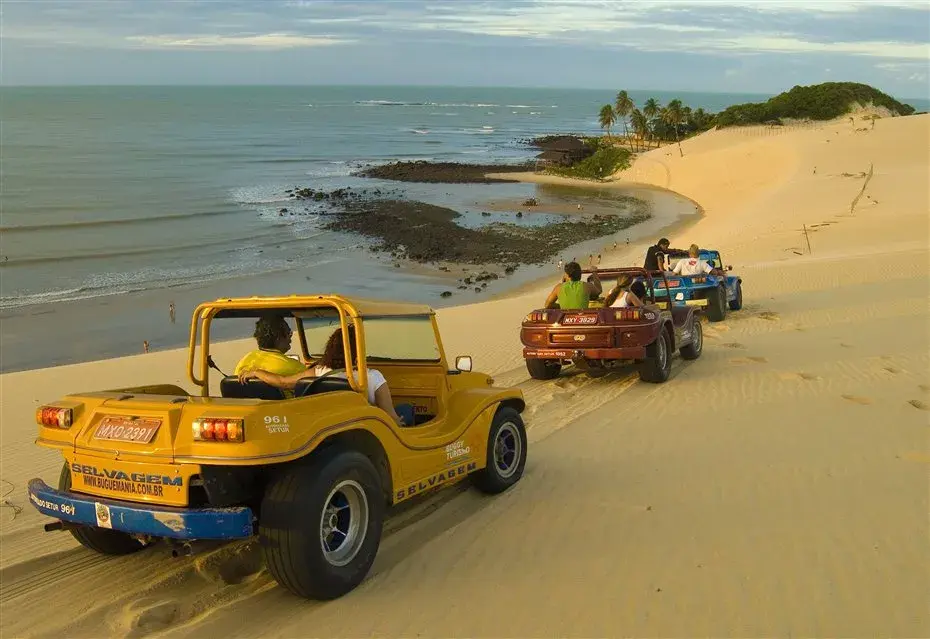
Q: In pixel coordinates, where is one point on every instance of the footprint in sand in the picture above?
(891, 369)
(858, 399)
(924, 387)
(809, 377)
(146, 616)
(734, 345)
(919, 405)
(770, 316)
(844, 345)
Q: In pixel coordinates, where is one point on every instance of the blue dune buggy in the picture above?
(713, 292)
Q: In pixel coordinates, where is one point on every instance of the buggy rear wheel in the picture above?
(658, 363)
(696, 347)
(717, 304)
(320, 523)
(543, 368)
(102, 540)
(737, 302)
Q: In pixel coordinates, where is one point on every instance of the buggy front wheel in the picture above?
(506, 454)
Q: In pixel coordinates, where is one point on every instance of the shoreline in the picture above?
(527, 278)
(143, 315)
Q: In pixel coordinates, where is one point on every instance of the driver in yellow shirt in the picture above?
(274, 340)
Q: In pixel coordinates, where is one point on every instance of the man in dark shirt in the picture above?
(652, 255)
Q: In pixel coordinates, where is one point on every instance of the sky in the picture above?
(746, 46)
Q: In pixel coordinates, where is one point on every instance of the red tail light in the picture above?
(537, 316)
(54, 417)
(628, 314)
(674, 283)
(214, 429)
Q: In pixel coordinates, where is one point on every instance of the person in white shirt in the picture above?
(620, 296)
(692, 265)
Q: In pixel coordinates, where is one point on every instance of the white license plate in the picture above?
(139, 430)
(580, 319)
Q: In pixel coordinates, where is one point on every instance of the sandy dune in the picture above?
(778, 486)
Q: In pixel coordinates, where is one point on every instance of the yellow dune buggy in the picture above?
(310, 474)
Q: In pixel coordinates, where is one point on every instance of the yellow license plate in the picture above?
(695, 302)
(138, 430)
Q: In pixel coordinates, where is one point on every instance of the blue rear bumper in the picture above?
(141, 519)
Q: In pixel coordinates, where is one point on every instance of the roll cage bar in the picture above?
(293, 306)
(636, 273)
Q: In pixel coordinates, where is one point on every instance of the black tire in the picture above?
(294, 520)
(102, 540)
(696, 347)
(506, 456)
(543, 368)
(717, 305)
(658, 363)
(737, 303)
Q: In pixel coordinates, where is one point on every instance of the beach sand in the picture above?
(777, 486)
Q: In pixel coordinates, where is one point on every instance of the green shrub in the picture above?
(817, 102)
(606, 161)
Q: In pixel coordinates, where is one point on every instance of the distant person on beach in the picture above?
(571, 292)
(171, 312)
(598, 259)
(145, 346)
(333, 359)
(692, 265)
(620, 296)
(561, 264)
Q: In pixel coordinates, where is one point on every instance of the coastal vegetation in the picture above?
(655, 124)
(818, 102)
(605, 160)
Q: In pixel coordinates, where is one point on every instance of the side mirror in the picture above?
(463, 363)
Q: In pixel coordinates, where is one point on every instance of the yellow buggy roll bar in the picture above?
(205, 313)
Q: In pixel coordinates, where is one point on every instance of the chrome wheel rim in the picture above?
(697, 336)
(662, 350)
(344, 522)
(508, 447)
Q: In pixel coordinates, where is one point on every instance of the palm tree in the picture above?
(607, 118)
(686, 117)
(699, 119)
(622, 107)
(673, 115)
(639, 123)
(651, 110)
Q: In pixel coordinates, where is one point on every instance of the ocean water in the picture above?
(115, 201)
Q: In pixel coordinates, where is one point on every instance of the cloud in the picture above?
(260, 41)
(776, 44)
(705, 26)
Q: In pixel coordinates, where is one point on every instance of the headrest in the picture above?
(232, 387)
